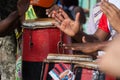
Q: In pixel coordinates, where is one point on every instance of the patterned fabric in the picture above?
(7, 57)
(19, 69)
(61, 72)
(30, 14)
(95, 16)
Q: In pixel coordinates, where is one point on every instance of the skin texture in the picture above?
(22, 6)
(87, 48)
(112, 13)
(8, 43)
(14, 16)
(109, 63)
(73, 29)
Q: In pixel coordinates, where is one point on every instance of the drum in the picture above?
(40, 37)
(88, 65)
(65, 58)
(79, 61)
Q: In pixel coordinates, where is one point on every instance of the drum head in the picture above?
(38, 23)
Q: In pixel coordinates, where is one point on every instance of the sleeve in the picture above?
(103, 25)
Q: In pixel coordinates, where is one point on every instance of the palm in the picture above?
(112, 13)
(69, 26)
(114, 22)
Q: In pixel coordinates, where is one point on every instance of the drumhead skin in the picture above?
(43, 3)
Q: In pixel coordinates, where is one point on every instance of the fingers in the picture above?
(59, 14)
(50, 11)
(115, 8)
(56, 24)
(60, 17)
(83, 39)
(108, 8)
(63, 13)
(71, 46)
(77, 18)
(60, 26)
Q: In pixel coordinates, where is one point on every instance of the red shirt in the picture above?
(103, 25)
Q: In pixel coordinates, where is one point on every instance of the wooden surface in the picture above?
(84, 61)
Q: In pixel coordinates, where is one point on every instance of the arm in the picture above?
(112, 13)
(99, 35)
(87, 48)
(109, 63)
(7, 22)
(73, 28)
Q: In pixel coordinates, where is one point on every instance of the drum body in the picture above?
(37, 43)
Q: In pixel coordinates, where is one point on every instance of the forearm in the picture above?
(96, 46)
(117, 28)
(88, 38)
(8, 22)
(102, 45)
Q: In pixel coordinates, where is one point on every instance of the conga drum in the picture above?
(91, 71)
(79, 61)
(40, 37)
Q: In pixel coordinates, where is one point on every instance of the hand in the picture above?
(88, 48)
(109, 62)
(112, 13)
(50, 11)
(22, 6)
(66, 24)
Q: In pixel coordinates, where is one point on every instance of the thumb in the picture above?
(77, 17)
(83, 39)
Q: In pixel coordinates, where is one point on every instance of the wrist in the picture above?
(78, 36)
(102, 45)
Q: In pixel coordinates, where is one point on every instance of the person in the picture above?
(71, 9)
(94, 18)
(87, 47)
(9, 17)
(109, 62)
(72, 28)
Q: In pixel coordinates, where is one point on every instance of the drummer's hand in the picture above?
(65, 24)
(112, 13)
(88, 48)
(50, 11)
(22, 6)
